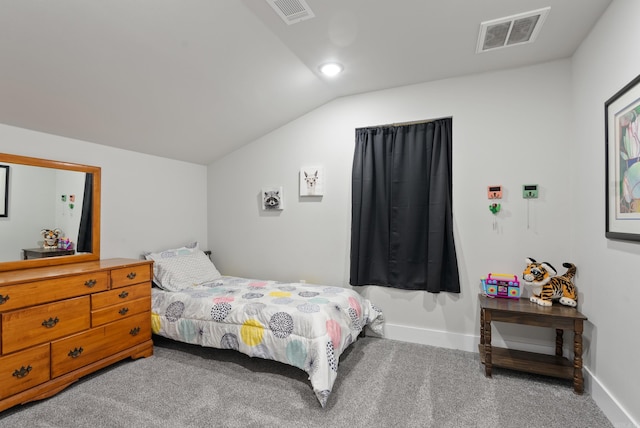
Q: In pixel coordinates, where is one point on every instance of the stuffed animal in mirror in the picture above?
(547, 286)
(50, 237)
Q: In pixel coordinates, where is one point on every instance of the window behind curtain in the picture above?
(402, 222)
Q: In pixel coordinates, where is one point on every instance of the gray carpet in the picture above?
(381, 383)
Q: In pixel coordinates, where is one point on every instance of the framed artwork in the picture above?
(312, 181)
(4, 190)
(622, 163)
(272, 198)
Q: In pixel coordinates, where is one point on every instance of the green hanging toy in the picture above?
(495, 208)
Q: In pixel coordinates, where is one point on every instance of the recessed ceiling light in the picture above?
(331, 69)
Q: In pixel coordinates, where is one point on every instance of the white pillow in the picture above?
(173, 252)
(180, 272)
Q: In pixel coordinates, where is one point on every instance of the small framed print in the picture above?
(312, 181)
(4, 190)
(272, 198)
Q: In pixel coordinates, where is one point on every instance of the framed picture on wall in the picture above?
(622, 163)
(312, 181)
(4, 190)
(272, 198)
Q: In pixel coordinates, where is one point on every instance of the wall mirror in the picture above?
(46, 194)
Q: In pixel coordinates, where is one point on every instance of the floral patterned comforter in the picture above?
(304, 325)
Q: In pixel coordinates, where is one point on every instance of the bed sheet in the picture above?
(305, 325)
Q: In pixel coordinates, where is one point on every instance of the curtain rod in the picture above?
(415, 122)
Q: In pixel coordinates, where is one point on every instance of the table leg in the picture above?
(482, 326)
(487, 343)
(559, 341)
(578, 381)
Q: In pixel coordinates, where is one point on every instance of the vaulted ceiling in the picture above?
(195, 79)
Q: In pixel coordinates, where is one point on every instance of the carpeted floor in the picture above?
(381, 383)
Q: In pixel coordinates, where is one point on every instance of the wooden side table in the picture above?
(38, 253)
(522, 311)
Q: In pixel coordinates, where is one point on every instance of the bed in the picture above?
(304, 325)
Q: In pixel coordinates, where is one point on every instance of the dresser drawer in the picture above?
(130, 275)
(120, 295)
(38, 292)
(23, 370)
(85, 348)
(27, 327)
(117, 312)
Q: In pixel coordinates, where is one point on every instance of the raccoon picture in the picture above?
(272, 199)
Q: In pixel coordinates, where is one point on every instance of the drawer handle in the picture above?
(22, 372)
(134, 331)
(50, 323)
(3, 299)
(123, 311)
(123, 295)
(75, 353)
(132, 275)
(90, 283)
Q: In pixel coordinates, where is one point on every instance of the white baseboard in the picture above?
(466, 342)
(607, 403)
(441, 339)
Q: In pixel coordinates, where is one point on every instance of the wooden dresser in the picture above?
(60, 323)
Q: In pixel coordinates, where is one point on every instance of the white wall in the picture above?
(605, 63)
(32, 208)
(509, 128)
(148, 203)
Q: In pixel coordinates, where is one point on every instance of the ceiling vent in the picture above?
(292, 11)
(511, 31)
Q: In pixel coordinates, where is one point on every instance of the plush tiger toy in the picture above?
(547, 287)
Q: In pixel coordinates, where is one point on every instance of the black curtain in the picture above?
(402, 222)
(85, 234)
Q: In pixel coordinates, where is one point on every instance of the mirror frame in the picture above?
(95, 244)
